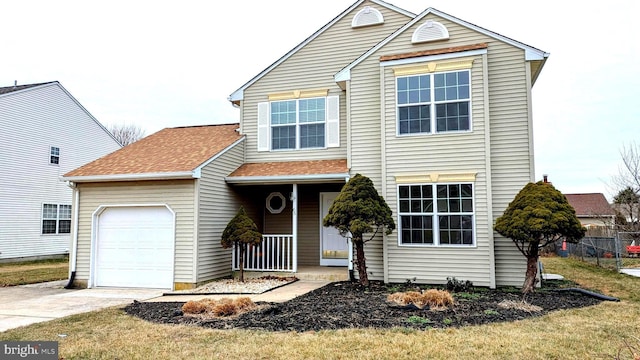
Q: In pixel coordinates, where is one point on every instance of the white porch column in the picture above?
(294, 228)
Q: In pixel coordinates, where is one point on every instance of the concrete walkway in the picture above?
(633, 272)
(281, 294)
(30, 304)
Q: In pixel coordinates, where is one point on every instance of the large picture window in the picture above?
(436, 214)
(437, 101)
(56, 219)
(298, 124)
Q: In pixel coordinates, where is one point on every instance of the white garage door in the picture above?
(134, 247)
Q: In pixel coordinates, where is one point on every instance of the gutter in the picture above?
(285, 179)
(132, 177)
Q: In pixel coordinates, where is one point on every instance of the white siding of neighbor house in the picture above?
(218, 204)
(31, 121)
(313, 67)
(179, 195)
(510, 160)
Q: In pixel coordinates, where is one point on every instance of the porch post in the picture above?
(294, 227)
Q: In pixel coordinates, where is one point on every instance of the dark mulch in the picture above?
(344, 305)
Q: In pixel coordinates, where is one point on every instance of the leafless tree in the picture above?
(626, 185)
(126, 133)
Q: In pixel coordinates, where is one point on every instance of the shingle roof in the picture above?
(169, 150)
(590, 204)
(289, 168)
(9, 89)
(447, 50)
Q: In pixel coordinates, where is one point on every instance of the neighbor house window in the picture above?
(54, 155)
(56, 219)
(436, 214)
(298, 124)
(439, 101)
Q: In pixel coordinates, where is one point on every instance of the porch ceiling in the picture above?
(287, 172)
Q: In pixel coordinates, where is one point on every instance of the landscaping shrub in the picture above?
(433, 298)
(456, 285)
(217, 308)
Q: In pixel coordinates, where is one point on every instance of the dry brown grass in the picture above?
(435, 299)
(519, 305)
(33, 272)
(217, 308)
(597, 332)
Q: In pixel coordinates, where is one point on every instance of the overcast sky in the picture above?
(164, 64)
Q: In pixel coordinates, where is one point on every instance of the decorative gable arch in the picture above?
(366, 17)
(430, 31)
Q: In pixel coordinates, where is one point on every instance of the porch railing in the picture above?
(275, 253)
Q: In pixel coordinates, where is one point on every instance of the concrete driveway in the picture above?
(29, 304)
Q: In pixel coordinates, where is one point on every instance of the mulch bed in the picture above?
(345, 305)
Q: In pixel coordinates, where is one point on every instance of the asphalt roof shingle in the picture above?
(10, 89)
(590, 204)
(167, 151)
(289, 168)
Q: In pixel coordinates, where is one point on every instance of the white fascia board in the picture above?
(133, 177)
(285, 179)
(198, 170)
(433, 57)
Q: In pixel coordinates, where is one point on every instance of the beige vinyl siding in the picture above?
(511, 160)
(313, 67)
(308, 226)
(218, 204)
(178, 195)
(31, 121)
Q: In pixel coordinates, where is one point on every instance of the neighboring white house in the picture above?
(45, 132)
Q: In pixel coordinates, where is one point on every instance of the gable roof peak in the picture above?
(15, 87)
(238, 95)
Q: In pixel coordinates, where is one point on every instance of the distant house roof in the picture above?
(169, 153)
(591, 204)
(286, 171)
(10, 89)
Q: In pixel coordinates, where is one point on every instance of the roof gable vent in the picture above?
(366, 17)
(430, 31)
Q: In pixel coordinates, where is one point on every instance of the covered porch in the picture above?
(287, 201)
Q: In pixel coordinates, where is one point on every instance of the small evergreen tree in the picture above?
(240, 231)
(359, 210)
(537, 216)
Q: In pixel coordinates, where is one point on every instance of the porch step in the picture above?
(318, 273)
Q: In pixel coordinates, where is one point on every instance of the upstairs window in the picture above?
(299, 123)
(54, 155)
(56, 219)
(439, 101)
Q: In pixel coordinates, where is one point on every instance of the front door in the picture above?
(334, 248)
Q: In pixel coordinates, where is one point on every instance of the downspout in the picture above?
(74, 238)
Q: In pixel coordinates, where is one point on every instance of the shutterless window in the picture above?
(54, 155)
(298, 124)
(429, 101)
(56, 219)
(436, 214)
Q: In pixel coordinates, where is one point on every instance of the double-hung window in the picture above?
(56, 219)
(298, 124)
(54, 155)
(436, 214)
(439, 101)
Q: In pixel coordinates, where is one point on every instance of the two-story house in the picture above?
(435, 110)
(45, 132)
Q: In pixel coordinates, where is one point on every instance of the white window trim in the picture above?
(57, 219)
(435, 214)
(432, 106)
(298, 124)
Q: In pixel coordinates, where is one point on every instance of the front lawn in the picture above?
(593, 332)
(33, 272)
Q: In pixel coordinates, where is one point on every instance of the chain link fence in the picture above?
(611, 252)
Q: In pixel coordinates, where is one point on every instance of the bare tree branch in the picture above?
(126, 133)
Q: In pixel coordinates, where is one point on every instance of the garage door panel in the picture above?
(135, 247)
